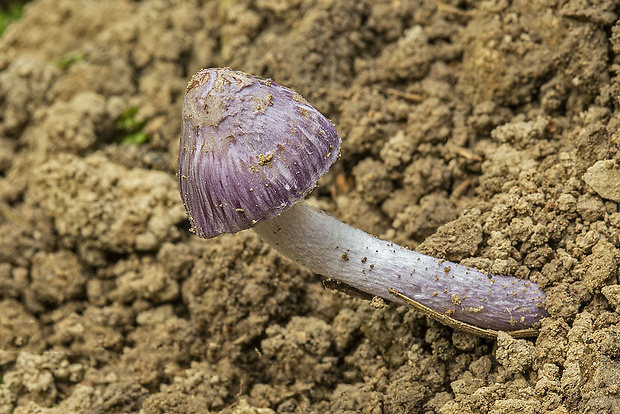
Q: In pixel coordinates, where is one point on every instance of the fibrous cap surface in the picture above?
(249, 149)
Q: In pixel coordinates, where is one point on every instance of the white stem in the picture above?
(338, 251)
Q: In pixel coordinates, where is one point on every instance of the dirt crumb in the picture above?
(516, 355)
(603, 177)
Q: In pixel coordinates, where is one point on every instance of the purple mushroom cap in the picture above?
(249, 149)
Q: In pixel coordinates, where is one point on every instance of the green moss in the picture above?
(10, 13)
(131, 128)
(71, 59)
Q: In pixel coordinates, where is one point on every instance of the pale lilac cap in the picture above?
(249, 149)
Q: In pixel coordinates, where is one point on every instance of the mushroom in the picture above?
(250, 151)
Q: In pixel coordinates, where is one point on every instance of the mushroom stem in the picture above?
(470, 299)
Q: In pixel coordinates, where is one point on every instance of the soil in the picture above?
(481, 132)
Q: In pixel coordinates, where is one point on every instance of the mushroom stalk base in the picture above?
(457, 295)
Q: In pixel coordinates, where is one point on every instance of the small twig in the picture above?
(411, 97)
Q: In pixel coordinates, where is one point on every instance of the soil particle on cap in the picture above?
(264, 159)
